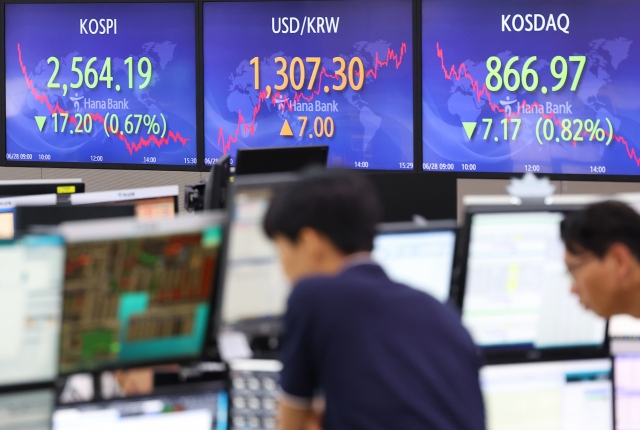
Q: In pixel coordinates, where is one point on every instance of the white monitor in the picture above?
(32, 271)
(517, 289)
(627, 386)
(26, 410)
(624, 326)
(202, 407)
(563, 395)
(255, 286)
(419, 258)
(150, 203)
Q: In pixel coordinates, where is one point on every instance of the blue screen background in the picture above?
(469, 32)
(372, 126)
(163, 32)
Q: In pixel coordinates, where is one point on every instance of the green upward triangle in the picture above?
(40, 120)
(469, 127)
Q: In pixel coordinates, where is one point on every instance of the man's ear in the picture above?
(309, 238)
(315, 243)
(623, 260)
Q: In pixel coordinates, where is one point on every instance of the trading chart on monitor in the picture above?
(133, 300)
(546, 87)
(101, 83)
(335, 73)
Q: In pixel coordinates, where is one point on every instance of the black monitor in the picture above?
(216, 188)
(27, 217)
(254, 288)
(38, 186)
(150, 203)
(32, 269)
(279, 160)
(137, 292)
(515, 289)
(406, 194)
(192, 406)
(419, 256)
(8, 210)
(568, 394)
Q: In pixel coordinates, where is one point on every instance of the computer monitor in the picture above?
(32, 271)
(186, 406)
(575, 394)
(421, 257)
(137, 291)
(217, 186)
(431, 199)
(7, 223)
(27, 409)
(627, 391)
(150, 203)
(279, 160)
(30, 187)
(515, 289)
(624, 327)
(254, 287)
(138, 110)
(27, 217)
(8, 210)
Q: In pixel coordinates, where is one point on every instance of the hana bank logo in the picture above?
(76, 101)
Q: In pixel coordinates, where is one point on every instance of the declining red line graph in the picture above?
(461, 72)
(131, 146)
(249, 127)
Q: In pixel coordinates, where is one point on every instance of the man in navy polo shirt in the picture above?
(381, 354)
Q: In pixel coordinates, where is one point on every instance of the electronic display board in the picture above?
(545, 87)
(337, 73)
(101, 83)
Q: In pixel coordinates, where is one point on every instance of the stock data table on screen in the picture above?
(517, 290)
(30, 301)
(564, 395)
(335, 73)
(550, 88)
(116, 85)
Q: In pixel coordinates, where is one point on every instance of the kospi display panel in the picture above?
(335, 73)
(101, 83)
(543, 87)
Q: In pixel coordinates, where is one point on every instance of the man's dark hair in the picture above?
(340, 204)
(596, 228)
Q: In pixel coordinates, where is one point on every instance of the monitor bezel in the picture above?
(199, 104)
(502, 355)
(131, 228)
